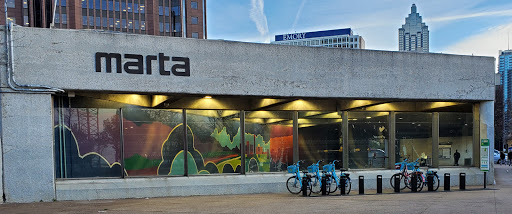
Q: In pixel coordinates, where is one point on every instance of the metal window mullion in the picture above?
(344, 131)
(185, 144)
(121, 132)
(392, 140)
(435, 139)
(242, 142)
(295, 136)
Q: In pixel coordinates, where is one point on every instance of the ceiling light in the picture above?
(207, 97)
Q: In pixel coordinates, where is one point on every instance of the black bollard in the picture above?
(414, 182)
(397, 183)
(324, 186)
(379, 184)
(462, 181)
(361, 185)
(430, 182)
(343, 180)
(485, 178)
(304, 186)
(446, 181)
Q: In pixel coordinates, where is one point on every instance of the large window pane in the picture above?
(213, 142)
(414, 137)
(455, 135)
(320, 137)
(153, 140)
(87, 142)
(368, 139)
(268, 141)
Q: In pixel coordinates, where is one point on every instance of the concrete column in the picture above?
(344, 132)
(392, 140)
(486, 132)
(476, 136)
(27, 147)
(295, 136)
(435, 139)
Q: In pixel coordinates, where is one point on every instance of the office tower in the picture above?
(413, 35)
(176, 18)
(339, 38)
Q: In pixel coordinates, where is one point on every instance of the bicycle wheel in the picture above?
(293, 185)
(316, 185)
(436, 182)
(348, 186)
(403, 184)
(310, 185)
(420, 183)
(331, 184)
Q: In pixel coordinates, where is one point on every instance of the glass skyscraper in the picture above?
(505, 70)
(413, 35)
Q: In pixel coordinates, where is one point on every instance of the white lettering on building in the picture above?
(294, 36)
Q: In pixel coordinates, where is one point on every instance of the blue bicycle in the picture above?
(333, 181)
(316, 179)
(294, 183)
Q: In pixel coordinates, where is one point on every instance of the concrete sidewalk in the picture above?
(494, 199)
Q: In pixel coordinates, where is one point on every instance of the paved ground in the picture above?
(495, 199)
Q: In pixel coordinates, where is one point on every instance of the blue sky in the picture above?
(478, 27)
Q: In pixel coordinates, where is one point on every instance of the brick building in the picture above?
(151, 17)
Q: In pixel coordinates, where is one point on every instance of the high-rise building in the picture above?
(505, 71)
(177, 18)
(413, 35)
(339, 38)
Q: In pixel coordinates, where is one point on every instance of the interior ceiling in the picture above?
(312, 108)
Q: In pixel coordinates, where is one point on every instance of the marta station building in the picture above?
(92, 115)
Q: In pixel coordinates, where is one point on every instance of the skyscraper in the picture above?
(176, 18)
(505, 71)
(413, 35)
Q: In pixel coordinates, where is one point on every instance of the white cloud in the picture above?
(486, 43)
(297, 16)
(258, 16)
(471, 15)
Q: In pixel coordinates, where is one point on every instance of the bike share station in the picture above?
(327, 182)
(93, 115)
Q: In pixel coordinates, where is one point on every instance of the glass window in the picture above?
(124, 23)
(148, 134)
(104, 22)
(25, 3)
(320, 137)
(64, 19)
(213, 141)
(57, 18)
(98, 21)
(161, 27)
(111, 5)
(269, 141)
(176, 10)
(142, 8)
(25, 21)
(167, 27)
(130, 26)
(84, 3)
(177, 27)
(414, 137)
(143, 25)
(117, 6)
(84, 20)
(194, 20)
(91, 21)
(455, 136)
(87, 142)
(195, 35)
(166, 11)
(130, 7)
(137, 24)
(91, 4)
(111, 22)
(160, 10)
(193, 4)
(123, 6)
(11, 3)
(368, 140)
(104, 4)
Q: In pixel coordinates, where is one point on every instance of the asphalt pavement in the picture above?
(495, 199)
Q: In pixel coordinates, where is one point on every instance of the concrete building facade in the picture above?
(126, 115)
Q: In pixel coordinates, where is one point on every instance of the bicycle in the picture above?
(333, 181)
(403, 174)
(316, 179)
(294, 183)
(423, 178)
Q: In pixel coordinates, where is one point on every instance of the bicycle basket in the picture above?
(292, 168)
(313, 168)
(328, 168)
